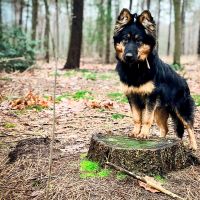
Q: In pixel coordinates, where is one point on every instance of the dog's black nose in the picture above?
(128, 56)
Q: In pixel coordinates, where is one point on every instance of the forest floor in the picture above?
(88, 101)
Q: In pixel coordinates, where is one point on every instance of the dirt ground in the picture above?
(23, 174)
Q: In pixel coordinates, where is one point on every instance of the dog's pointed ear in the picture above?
(146, 20)
(123, 19)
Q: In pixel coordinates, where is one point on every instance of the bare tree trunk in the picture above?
(73, 58)
(100, 28)
(142, 4)
(1, 21)
(169, 29)
(34, 18)
(158, 24)
(148, 4)
(130, 4)
(108, 30)
(177, 27)
(21, 12)
(198, 50)
(47, 30)
(183, 27)
(57, 25)
(27, 15)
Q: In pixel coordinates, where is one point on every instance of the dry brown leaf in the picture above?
(30, 99)
(147, 187)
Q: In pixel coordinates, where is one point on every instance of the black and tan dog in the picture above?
(153, 89)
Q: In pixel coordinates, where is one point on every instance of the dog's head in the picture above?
(134, 36)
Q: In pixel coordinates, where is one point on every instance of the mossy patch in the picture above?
(90, 169)
(82, 94)
(121, 176)
(159, 178)
(131, 143)
(9, 125)
(117, 96)
(196, 99)
(117, 116)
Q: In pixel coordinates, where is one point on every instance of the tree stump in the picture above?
(152, 156)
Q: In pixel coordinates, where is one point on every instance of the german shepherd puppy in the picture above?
(154, 90)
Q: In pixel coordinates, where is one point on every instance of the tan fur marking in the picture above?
(137, 120)
(161, 116)
(192, 139)
(143, 51)
(147, 120)
(146, 88)
(119, 47)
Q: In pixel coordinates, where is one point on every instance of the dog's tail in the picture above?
(178, 125)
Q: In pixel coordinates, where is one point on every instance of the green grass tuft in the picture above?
(89, 166)
(117, 116)
(196, 99)
(121, 176)
(82, 94)
(37, 108)
(117, 96)
(90, 76)
(63, 96)
(104, 173)
(9, 125)
(159, 178)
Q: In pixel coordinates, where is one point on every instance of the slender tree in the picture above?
(108, 30)
(183, 27)
(34, 18)
(169, 28)
(198, 50)
(27, 15)
(177, 27)
(130, 4)
(158, 23)
(74, 53)
(148, 4)
(1, 21)
(21, 12)
(100, 27)
(47, 30)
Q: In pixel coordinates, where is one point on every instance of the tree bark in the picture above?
(34, 18)
(47, 30)
(108, 31)
(158, 24)
(21, 12)
(183, 27)
(169, 29)
(74, 53)
(130, 4)
(1, 21)
(148, 4)
(198, 50)
(27, 15)
(100, 27)
(177, 27)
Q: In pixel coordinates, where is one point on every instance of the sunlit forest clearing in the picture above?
(41, 42)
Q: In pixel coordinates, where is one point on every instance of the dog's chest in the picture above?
(143, 89)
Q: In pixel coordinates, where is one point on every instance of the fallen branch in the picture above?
(145, 180)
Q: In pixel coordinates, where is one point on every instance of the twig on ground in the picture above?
(145, 180)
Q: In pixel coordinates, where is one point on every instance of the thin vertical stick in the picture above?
(54, 112)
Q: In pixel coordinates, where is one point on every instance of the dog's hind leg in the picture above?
(161, 116)
(189, 127)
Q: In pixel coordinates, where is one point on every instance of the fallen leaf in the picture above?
(147, 187)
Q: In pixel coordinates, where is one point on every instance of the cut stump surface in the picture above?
(152, 156)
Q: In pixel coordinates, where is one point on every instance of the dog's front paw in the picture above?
(143, 135)
(135, 132)
(193, 146)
